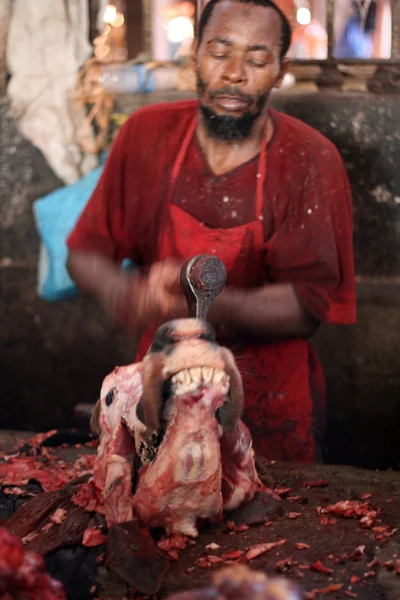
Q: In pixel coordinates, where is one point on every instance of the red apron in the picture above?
(276, 375)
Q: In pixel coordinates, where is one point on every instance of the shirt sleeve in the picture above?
(313, 246)
(100, 227)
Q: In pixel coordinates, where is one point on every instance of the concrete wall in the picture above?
(362, 363)
(55, 355)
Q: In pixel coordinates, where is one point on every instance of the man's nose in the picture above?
(235, 71)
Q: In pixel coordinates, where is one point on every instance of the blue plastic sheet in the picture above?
(56, 215)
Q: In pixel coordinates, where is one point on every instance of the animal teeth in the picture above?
(196, 375)
(208, 374)
(187, 378)
(218, 376)
(190, 380)
(179, 377)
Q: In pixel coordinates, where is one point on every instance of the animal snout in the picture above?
(173, 332)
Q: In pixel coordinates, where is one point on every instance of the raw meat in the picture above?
(22, 574)
(161, 426)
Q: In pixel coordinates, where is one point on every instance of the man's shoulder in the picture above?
(162, 118)
(300, 137)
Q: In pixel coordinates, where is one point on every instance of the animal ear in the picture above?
(95, 419)
(233, 409)
(149, 407)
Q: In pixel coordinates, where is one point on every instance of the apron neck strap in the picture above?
(261, 175)
(181, 155)
(261, 170)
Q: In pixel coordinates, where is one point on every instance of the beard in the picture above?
(228, 128)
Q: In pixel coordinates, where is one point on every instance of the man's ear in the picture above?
(285, 66)
(95, 419)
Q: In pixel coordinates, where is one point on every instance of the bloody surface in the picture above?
(321, 550)
(345, 549)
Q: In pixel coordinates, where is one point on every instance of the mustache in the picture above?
(231, 91)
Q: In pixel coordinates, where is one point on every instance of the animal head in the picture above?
(162, 419)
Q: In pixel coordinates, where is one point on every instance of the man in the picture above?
(263, 191)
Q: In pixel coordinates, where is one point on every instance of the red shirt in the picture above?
(308, 223)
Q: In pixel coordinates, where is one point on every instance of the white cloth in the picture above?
(5, 14)
(47, 43)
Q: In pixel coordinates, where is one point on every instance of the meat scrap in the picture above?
(285, 565)
(173, 544)
(29, 538)
(330, 589)
(259, 549)
(213, 546)
(203, 563)
(319, 567)
(233, 554)
(93, 537)
(58, 516)
(214, 560)
(52, 474)
(282, 491)
(14, 491)
(321, 483)
(355, 556)
(391, 565)
(353, 509)
(302, 546)
(23, 573)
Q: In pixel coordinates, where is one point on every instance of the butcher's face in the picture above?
(238, 63)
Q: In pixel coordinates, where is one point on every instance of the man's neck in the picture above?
(222, 156)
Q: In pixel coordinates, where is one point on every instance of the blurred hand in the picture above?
(161, 298)
(141, 302)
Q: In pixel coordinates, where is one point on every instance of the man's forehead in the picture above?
(257, 23)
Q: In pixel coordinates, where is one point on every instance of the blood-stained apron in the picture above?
(276, 375)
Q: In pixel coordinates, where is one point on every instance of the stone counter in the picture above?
(359, 558)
